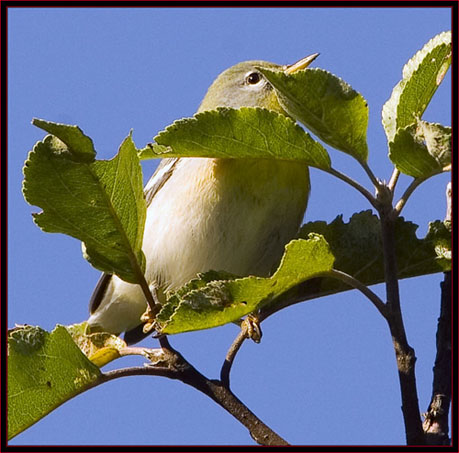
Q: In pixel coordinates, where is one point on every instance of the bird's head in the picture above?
(243, 85)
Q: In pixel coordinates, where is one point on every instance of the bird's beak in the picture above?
(302, 64)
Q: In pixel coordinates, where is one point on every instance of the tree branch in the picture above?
(448, 202)
(174, 366)
(404, 353)
(435, 424)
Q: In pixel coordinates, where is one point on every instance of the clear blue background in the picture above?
(325, 370)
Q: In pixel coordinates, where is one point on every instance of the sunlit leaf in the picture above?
(100, 202)
(205, 304)
(249, 133)
(44, 370)
(326, 105)
(76, 142)
(421, 77)
(100, 347)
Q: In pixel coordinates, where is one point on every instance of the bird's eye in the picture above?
(253, 78)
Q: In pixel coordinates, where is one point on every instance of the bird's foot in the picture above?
(149, 318)
(252, 326)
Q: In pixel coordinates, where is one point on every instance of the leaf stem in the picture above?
(375, 181)
(351, 281)
(354, 184)
(393, 180)
(404, 198)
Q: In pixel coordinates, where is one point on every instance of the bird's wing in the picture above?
(99, 292)
(159, 178)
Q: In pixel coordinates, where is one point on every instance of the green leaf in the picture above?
(415, 257)
(44, 370)
(214, 298)
(153, 151)
(79, 144)
(101, 203)
(250, 133)
(439, 236)
(421, 149)
(326, 105)
(100, 347)
(357, 247)
(420, 79)
(203, 304)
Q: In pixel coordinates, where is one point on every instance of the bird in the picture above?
(233, 215)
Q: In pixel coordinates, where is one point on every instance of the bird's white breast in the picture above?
(213, 214)
(232, 215)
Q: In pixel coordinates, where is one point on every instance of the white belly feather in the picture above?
(212, 214)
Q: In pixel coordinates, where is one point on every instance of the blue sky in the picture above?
(325, 370)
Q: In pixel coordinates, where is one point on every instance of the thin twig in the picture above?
(134, 351)
(354, 184)
(176, 367)
(404, 198)
(393, 180)
(231, 354)
(303, 293)
(134, 371)
(351, 281)
(164, 342)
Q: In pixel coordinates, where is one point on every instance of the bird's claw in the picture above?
(149, 318)
(251, 324)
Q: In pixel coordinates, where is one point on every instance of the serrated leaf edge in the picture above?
(391, 105)
(324, 163)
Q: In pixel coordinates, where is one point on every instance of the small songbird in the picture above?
(233, 215)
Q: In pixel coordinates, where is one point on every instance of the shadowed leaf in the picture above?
(357, 247)
(422, 149)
